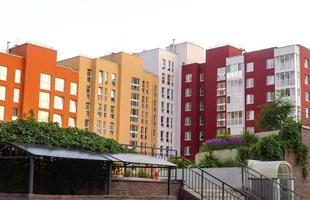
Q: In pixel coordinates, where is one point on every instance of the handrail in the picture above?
(243, 166)
(219, 180)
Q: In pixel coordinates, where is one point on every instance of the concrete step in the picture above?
(216, 194)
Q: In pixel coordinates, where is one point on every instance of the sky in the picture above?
(98, 27)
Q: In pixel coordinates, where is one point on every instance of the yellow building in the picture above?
(117, 98)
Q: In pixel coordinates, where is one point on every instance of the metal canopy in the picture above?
(48, 151)
(141, 159)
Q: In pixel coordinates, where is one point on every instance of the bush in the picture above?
(128, 173)
(252, 151)
(249, 137)
(50, 134)
(178, 161)
(209, 161)
(142, 173)
(272, 148)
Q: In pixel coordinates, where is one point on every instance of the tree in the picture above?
(273, 114)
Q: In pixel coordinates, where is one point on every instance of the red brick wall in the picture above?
(302, 185)
(121, 189)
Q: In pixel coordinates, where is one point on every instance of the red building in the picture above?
(225, 94)
(31, 80)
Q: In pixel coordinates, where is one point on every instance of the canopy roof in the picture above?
(48, 151)
(271, 169)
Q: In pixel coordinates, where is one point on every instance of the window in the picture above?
(270, 80)
(306, 63)
(163, 78)
(163, 63)
(188, 136)
(201, 120)
(201, 135)
(188, 78)
(99, 110)
(202, 77)
(135, 83)
(188, 121)
(163, 92)
(307, 113)
(99, 127)
(59, 84)
(87, 109)
(168, 93)
(44, 100)
(73, 88)
(250, 83)
(43, 116)
(201, 106)
(113, 79)
(100, 77)
(1, 113)
(162, 136)
(17, 76)
(15, 113)
(112, 112)
(249, 98)
(220, 119)
(134, 115)
(221, 73)
(45, 82)
(58, 119)
(168, 79)
(104, 110)
(250, 67)
(134, 99)
(105, 77)
(221, 88)
(269, 96)
(307, 95)
(72, 106)
(3, 73)
(133, 131)
(111, 127)
(221, 103)
(270, 63)
(113, 95)
(16, 96)
(201, 91)
(188, 92)
(100, 93)
(88, 92)
(86, 124)
(58, 102)
(168, 107)
(234, 118)
(71, 121)
(307, 79)
(88, 75)
(188, 106)
(187, 151)
(250, 115)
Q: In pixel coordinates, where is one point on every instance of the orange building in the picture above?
(31, 80)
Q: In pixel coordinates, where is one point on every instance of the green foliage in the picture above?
(142, 173)
(273, 114)
(223, 135)
(272, 148)
(249, 137)
(128, 172)
(209, 161)
(30, 131)
(252, 151)
(180, 162)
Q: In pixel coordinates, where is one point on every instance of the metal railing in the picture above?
(207, 186)
(266, 188)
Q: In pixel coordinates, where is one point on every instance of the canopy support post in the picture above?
(169, 180)
(109, 183)
(31, 175)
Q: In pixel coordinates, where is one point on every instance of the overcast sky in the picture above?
(98, 27)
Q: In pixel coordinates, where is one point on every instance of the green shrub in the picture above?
(209, 161)
(128, 172)
(178, 161)
(249, 137)
(272, 148)
(142, 173)
(252, 151)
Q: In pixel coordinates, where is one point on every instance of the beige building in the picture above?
(117, 98)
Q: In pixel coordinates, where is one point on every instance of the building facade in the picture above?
(226, 93)
(118, 98)
(30, 80)
(166, 64)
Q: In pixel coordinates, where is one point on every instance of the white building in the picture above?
(167, 63)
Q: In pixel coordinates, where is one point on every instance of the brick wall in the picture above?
(121, 189)
(302, 185)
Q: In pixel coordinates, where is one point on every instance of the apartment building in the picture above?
(118, 98)
(31, 80)
(225, 94)
(166, 64)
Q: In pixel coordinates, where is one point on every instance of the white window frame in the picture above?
(250, 115)
(60, 84)
(250, 67)
(73, 105)
(2, 93)
(250, 99)
(17, 77)
(58, 119)
(44, 100)
(188, 78)
(43, 116)
(45, 81)
(187, 136)
(58, 102)
(250, 83)
(16, 95)
(3, 73)
(73, 89)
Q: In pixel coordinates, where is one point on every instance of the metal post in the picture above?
(169, 180)
(182, 176)
(242, 177)
(109, 184)
(201, 185)
(223, 190)
(31, 175)
(176, 174)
